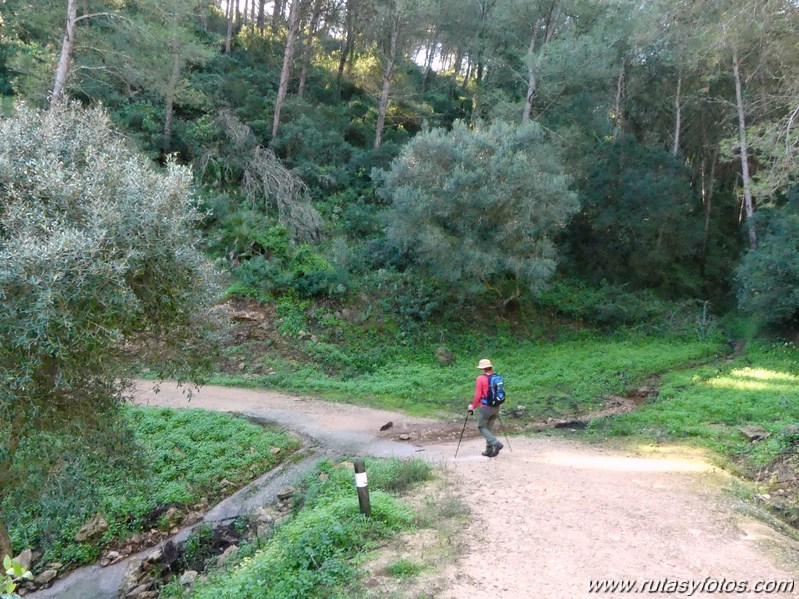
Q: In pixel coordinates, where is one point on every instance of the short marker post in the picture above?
(362, 486)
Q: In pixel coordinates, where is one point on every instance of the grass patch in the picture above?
(404, 568)
(313, 554)
(708, 405)
(550, 378)
(182, 457)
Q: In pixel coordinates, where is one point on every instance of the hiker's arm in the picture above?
(480, 388)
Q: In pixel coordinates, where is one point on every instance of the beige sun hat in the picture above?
(485, 363)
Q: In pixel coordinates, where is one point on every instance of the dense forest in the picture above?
(453, 152)
(594, 193)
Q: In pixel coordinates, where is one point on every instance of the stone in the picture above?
(444, 356)
(188, 578)
(518, 411)
(285, 493)
(140, 590)
(55, 566)
(94, 527)
(112, 555)
(155, 556)
(263, 516)
(45, 577)
(404, 437)
(172, 516)
(130, 579)
(754, 433)
(192, 518)
(170, 552)
(229, 554)
(25, 559)
(791, 430)
(224, 483)
(275, 450)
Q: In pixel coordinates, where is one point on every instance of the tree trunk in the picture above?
(246, 12)
(456, 68)
(229, 34)
(532, 74)
(707, 200)
(170, 95)
(307, 51)
(65, 58)
(261, 5)
(748, 202)
(677, 117)
(428, 61)
(617, 118)
(86, 18)
(387, 74)
(348, 42)
(277, 12)
(202, 10)
(468, 74)
(288, 55)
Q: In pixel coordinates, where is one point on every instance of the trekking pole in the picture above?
(504, 430)
(462, 431)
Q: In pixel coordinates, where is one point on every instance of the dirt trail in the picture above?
(552, 514)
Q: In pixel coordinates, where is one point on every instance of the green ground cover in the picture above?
(550, 378)
(709, 405)
(316, 552)
(181, 459)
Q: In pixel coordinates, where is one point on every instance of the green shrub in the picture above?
(768, 277)
(184, 454)
(310, 556)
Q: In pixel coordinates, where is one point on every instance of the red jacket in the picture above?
(481, 388)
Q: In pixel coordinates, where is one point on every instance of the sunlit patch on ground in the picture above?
(752, 379)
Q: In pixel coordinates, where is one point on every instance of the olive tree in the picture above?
(478, 209)
(97, 265)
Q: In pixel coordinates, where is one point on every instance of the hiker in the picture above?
(487, 407)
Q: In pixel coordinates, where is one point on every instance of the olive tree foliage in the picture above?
(478, 209)
(97, 265)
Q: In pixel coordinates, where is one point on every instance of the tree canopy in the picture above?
(98, 265)
(479, 207)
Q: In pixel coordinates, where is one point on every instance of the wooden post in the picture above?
(362, 487)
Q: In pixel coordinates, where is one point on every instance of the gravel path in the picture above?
(552, 515)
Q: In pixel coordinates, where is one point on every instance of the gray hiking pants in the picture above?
(486, 417)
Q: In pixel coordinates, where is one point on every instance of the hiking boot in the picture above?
(495, 450)
(489, 452)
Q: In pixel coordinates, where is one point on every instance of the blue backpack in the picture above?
(496, 390)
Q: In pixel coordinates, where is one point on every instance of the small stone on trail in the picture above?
(404, 437)
(285, 494)
(387, 426)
